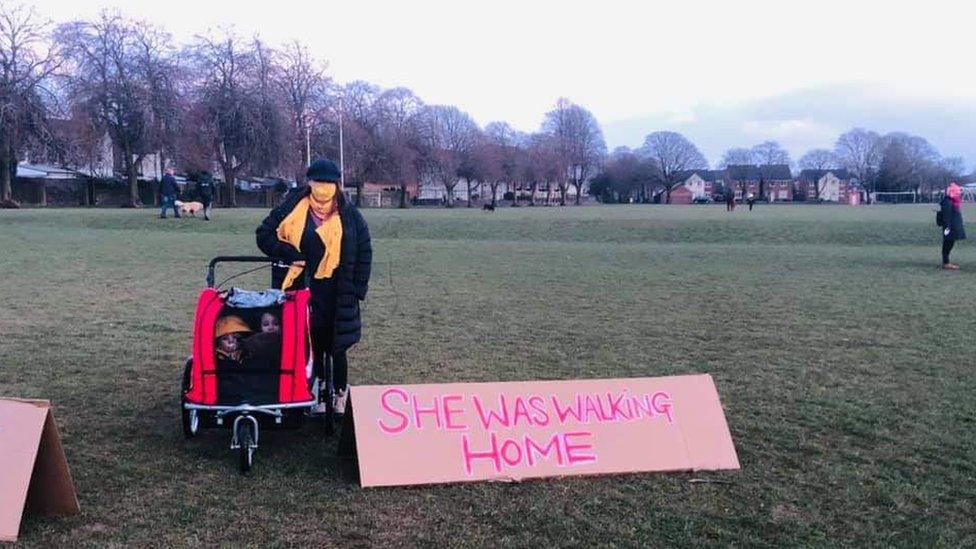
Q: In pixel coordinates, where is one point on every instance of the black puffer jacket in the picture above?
(351, 278)
(952, 220)
(205, 187)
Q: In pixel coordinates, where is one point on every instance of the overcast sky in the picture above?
(675, 65)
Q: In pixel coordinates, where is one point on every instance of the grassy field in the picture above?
(843, 355)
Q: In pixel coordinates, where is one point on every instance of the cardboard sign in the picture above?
(422, 434)
(33, 471)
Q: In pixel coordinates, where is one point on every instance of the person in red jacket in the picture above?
(952, 227)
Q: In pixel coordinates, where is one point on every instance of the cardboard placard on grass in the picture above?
(463, 432)
(34, 474)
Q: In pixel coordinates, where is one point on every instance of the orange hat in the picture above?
(230, 325)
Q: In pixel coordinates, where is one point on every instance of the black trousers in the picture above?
(947, 244)
(323, 338)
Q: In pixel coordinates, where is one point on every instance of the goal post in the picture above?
(894, 197)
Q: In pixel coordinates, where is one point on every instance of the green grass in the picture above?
(844, 358)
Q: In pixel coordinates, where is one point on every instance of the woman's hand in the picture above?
(299, 263)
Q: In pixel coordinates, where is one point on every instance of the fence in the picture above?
(376, 198)
(79, 192)
(113, 192)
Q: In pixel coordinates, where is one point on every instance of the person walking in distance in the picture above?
(205, 188)
(729, 200)
(950, 219)
(169, 191)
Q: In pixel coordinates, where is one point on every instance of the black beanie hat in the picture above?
(323, 169)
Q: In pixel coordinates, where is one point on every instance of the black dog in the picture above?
(488, 208)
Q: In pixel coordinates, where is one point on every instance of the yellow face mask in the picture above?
(322, 198)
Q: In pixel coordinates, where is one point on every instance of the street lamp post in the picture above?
(342, 163)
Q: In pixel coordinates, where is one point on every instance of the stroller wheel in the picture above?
(191, 422)
(245, 442)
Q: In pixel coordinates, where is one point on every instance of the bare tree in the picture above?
(860, 151)
(481, 167)
(109, 80)
(26, 65)
(907, 162)
(542, 164)
(157, 65)
(226, 68)
(399, 110)
(361, 124)
(506, 143)
(768, 155)
(947, 170)
(304, 83)
(923, 158)
(819, 159)
(736, 156)
(272, 124)
(447, 135)
(672, 153)
(623, 177)
(195, 149)
(579, 142)
(475, 161)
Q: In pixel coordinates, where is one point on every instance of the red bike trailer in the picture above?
(298, 393)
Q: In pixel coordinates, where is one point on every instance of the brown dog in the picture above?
(189, 207)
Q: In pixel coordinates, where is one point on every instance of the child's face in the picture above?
(229, 344)
(269, 323)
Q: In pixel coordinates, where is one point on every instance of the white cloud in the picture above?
(788, 129)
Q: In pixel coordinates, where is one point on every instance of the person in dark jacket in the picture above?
(169, 191)
(205, 188)
(729, 200)
(952, 227)
(314, 228)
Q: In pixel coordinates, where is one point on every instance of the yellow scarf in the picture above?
(323, 204)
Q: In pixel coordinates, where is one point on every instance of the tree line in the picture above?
(255, 109)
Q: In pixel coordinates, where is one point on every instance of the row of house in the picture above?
(776, 182)
(435, 192)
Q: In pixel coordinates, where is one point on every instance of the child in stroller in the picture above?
(228, 333)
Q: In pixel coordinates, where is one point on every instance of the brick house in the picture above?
(681, 194)
(835, 185)
(776, 181)
(694, 184)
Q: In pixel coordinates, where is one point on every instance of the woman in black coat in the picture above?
(336, 322)
(952, 227)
